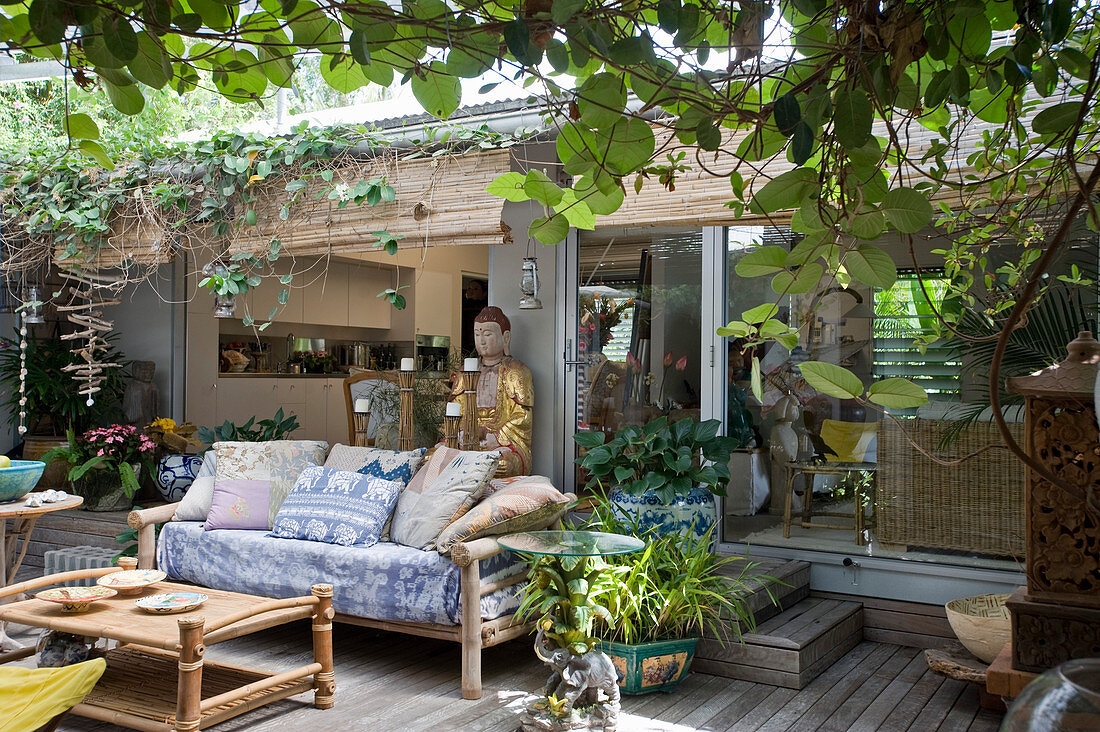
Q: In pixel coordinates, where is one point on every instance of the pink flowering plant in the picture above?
(121, 448)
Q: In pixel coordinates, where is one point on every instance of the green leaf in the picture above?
(897, 394)
(800, 282)
(787, 113)
(343, 73)
(871, 265)
(438, 92)
(151, 65)
(734, 329)
(626, 146)
(81, 126)
(831, 380)
(96, 151)
(598, 202)
(601, 100)
(47, 21)
(1058, 118)
(549, 230)
(126, 98)
(852, 117)
(907, 210)
(563, 10)
(250, 217)
(509, 187)
(538, 186)
(119, 37)
(784, 192)
(762, 261)
(589, 439)
(577, 213)
(760, 313)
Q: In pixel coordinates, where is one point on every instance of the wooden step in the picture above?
(790, 649)
(72, 528)
(788, 584)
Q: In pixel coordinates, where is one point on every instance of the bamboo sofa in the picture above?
(470, 628)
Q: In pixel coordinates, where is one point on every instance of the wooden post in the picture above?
(189, 685)
(405, 426)
(471, 440)
(324, 681)
(470, 585)
(450, 432)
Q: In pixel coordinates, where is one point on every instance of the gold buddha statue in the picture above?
(505, 394)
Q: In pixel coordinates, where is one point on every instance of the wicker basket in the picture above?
(977, 506)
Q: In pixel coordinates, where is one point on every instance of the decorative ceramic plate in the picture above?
(75, 599)
(131, 581)
(171, 602)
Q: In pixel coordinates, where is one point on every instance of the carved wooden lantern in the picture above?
(1057, 616)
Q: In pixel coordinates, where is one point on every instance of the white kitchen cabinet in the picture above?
(365, 308)
(325, 299)
(434, 303)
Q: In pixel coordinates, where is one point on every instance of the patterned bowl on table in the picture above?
(131, 581)
(171, 602)
(76, 599)
(175, 474)
(18, 480)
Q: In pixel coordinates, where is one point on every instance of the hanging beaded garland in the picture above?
(23, 379)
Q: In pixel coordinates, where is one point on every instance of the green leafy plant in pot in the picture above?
(663, 477)
(663, 599)
(105, 463)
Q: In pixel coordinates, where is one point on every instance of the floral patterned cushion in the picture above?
(450, 482)
(384, 464)
(277, 463)
(523, 503)
(239, 504)
(336, 507)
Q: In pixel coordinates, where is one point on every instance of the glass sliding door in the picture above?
(635, 345)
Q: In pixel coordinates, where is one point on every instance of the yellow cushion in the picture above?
(31, 697)
(848, 440)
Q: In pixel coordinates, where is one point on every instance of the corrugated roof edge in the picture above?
(487, 109)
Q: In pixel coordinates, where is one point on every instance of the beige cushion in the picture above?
(524, 503)
(196, 502)
(448, 484)
(277, 461)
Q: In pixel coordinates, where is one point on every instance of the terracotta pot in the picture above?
(56, 475)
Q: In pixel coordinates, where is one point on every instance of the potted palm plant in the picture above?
(661, 601)
(661, 476)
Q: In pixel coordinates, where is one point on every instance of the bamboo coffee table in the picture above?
(158, 679)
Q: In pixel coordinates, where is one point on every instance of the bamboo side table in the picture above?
(157, 678)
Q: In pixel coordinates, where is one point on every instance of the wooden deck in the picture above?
(387, 681)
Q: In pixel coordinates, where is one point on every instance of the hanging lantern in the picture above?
(32, 305)
(225, 306)
(529, 284)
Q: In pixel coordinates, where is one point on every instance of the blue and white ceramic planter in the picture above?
(175, 474)
(688, 515)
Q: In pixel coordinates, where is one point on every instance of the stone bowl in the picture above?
(18, 480)
(981, 623)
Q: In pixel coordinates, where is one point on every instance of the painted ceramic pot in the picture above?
(175, 474)
(646, 667)
(690, 515)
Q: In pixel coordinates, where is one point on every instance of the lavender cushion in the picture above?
(238, 503)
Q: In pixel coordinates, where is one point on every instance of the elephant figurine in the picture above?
(578, 679)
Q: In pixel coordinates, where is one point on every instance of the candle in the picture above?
(454, 409)
(408, 364)
(470, 364)
(362, 405)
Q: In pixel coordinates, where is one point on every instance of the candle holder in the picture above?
(360, 420)
(470, 439)
(405, 426)
(450, 431)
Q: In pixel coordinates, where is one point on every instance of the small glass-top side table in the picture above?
(583, 689)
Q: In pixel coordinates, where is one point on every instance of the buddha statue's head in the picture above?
(492, 335)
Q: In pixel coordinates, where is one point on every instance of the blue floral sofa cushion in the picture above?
(384, 581)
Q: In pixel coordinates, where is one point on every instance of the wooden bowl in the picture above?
(75, 599)
(981, 623)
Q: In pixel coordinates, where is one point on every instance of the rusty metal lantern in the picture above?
(1057, 616)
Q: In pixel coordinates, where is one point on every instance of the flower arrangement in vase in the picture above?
(104, 464)
(175, 469)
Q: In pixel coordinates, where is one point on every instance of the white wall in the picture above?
(534, 340)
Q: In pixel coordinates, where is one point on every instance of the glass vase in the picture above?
(1064, 699)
